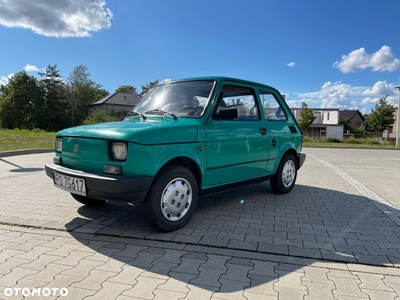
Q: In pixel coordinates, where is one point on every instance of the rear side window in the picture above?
(241, 98)
(271, 107)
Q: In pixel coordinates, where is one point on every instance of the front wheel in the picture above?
(285, 177)
(172, 199)
(87, 200)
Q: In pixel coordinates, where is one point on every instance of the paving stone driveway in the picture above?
(101, 267)
(243, 244)
(333, 213)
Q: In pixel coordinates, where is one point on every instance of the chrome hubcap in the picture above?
(288, 173)
(176, 199)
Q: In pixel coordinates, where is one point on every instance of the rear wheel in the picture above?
(172, 199)
(87, 200)
(285, 177)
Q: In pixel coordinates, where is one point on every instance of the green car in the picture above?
(186, 138)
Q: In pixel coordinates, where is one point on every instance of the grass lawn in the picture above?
(25, 139)
(350, 142)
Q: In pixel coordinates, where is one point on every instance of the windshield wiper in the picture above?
(161, 112)
(136, 113)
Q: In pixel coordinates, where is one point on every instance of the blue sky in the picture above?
(335, 54)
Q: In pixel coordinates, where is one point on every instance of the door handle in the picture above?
(263, 130)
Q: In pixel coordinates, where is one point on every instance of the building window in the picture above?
(328, 117)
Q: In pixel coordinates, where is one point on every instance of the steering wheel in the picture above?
(189, 107)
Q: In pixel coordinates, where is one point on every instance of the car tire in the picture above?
(172, 198)
(285, 177)
(87, 200)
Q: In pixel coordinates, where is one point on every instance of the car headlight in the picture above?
(59, 144)
(119, 150)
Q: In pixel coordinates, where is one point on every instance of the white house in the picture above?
(326, 123)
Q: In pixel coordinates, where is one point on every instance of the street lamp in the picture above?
(398, 117)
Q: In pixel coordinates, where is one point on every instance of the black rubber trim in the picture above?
(132, 189)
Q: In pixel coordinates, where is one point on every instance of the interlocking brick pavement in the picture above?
(246, 243)
(329, 215)
(158, 272)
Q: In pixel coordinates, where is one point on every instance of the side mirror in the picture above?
(229, 113)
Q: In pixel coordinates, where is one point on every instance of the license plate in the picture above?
(71, 184)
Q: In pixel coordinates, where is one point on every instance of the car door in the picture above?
(237, 149)
(280, 131)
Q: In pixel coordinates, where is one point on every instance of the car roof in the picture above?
(221, 79)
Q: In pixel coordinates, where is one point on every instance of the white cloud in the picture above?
(31, 68)
(381, 60)
(61, 18)
(380, 88)
(364, 111)
(4, 80)
(293, 104)
(369, 101)
(345, 96)
(291, 64)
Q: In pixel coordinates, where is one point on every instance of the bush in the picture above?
(98, 117)
(308, 139)
(332, 140)
(21, 131)
(38, 130)
(361, 132)
(351, 140)
(367, 141)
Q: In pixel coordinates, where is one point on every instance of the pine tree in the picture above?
(307, 117)
(381, 116)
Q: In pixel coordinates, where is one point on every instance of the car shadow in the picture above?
(308, 223)
(19, 168)
(26, 170)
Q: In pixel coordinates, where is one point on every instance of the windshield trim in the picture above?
(214, 83)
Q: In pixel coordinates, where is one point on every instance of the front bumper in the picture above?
(132, 189)
(302, 158)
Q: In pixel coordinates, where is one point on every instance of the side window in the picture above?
(243, 99)
(271, 107)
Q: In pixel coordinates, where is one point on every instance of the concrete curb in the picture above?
(25, 152)
(358, 148)
(49, 150)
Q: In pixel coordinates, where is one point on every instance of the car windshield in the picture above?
(179, 99)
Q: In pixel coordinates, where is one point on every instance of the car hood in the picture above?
(156, 130)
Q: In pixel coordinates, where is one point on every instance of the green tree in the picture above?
(98, 116)
(148, 86)
(82, 91)
(346, 124)
(54, 115)
(126, 89)
(99, 92)
(360, 132)
(20, 101)
(307, 117)
(381, 116)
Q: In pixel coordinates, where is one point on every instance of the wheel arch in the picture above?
(292, 151)
(188, 163)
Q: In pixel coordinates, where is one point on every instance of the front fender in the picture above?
(192, 153)
(149, 160)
